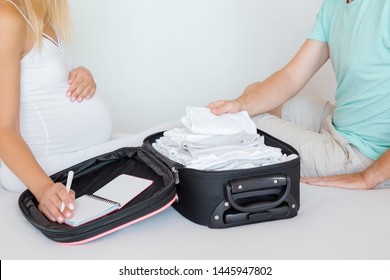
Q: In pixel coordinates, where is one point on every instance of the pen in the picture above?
(68, 185)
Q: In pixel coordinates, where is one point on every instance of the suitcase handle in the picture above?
(257, 186)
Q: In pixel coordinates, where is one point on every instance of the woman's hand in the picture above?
(51, 199)
(81, 84)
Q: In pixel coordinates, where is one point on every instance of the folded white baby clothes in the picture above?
(200, 120)
(210, 142)
(238, 140)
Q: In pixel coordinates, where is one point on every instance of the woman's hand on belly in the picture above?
(81, 84)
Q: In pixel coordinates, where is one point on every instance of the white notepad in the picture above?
(114, 195)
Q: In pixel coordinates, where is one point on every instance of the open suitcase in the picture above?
(217, 199)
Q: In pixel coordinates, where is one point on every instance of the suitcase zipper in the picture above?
(176, 175)
(238, 172)
(156, 158)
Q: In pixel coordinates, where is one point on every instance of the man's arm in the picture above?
(375, 174)
(265, 96)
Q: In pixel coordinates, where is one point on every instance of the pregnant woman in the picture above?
(50, 117)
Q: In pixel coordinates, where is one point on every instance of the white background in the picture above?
(152, 58)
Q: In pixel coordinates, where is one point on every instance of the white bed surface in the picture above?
(331, 224)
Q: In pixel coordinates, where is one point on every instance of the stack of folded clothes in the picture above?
(210, 142)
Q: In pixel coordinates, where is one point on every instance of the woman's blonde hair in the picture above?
(54, 12)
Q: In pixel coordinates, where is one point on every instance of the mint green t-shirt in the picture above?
(358, 36)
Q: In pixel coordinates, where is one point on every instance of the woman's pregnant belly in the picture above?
(56, 125)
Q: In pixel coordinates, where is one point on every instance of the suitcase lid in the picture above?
(91, 175)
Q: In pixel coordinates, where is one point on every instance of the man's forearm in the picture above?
(265, 96)
(378, 172)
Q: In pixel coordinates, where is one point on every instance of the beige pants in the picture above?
(306, 125)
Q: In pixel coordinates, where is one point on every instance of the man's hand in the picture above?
(345, 181)
(224, 107)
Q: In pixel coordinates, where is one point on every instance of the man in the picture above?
(346, 145)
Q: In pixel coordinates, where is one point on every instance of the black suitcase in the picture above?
(217, 199)
(221, 199)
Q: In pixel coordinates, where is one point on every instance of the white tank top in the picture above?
(49, 122)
